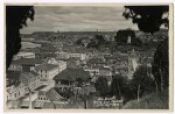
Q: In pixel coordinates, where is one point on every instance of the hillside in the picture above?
(152, 101)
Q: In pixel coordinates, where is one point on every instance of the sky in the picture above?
(78, 18)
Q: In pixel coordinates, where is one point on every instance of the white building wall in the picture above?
(14, 67)
(52, 73)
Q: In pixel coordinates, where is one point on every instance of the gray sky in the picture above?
(78, 18)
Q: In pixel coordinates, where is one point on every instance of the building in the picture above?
(49, 99)
(16, 92)
(62, 55)
(24, 64)
(51, 61)
(23, 54)
(73, 63)
(67, 55)
(95, 62)
(28, 81)
(81, 56)
(62, 65)
(105, 72)
(69, 77)
(92, 70)
(47, 71)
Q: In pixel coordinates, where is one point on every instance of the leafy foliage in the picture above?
(120, 87)
(96, 42)
(148, 18)
(16, 17)
(122, 37)
(102, 86)
(142, 78)
(161, 65)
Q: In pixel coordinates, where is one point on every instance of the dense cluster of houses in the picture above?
(32, 78)
(28, 75)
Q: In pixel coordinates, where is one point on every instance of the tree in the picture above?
(122, 35)
(79, 84)
(142, 82)
(85, 95)
(148, 18)
(120, 88)
(16, 17)
(101, 85)
(161, 66)
(96, 42)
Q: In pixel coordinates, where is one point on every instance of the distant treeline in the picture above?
(162, 31)
(68, 33)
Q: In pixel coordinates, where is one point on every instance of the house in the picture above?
(16, 92)
(81, 56)
(12, 78)
(62, 65)
(67, 55)
(24, 64)
(96, 62)
(24, 54)
(28, 81)
(49, 99)
(105, 72)
(73, 63)
(94, 71)
(51, 60)
(69, 77)
(62, 55)
(47, 71)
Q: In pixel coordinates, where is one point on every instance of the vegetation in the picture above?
(161, 66)
(123, 35)
(142, 82)
(101, 86)
(73, 75)
(96, 41)
(15, 19)
(119, 86)
(155, 100)
(67, 93)
(148, 18)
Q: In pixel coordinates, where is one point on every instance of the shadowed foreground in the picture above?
(152, 101)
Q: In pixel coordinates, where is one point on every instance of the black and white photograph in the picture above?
(88, 57)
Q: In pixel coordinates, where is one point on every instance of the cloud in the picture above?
(78, 18)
